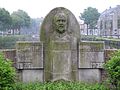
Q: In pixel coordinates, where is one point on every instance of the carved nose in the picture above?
(61, 22)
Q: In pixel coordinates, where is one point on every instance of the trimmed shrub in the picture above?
(7, 73)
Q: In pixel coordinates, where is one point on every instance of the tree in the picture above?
(5, 19)
(90, 17)
(20, 19)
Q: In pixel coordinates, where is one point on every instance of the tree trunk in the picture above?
(13, 32)
(87, 29)
(19, 30)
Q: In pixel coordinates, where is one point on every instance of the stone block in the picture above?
(91, 54)
(29, 55)
(62, 65)
(62, 61)
(32, 75)
(92, 46)
(89, 75)
(60, 45)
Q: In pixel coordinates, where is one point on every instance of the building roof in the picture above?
(110, 11)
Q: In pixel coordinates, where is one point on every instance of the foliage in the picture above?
(20, 19)
(5, 19)
(15, 21)
(113, 69)
(62, 85)
(7, 73)
(90, 17)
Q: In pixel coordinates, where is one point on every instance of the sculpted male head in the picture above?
(60, 22)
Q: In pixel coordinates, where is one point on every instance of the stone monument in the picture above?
(60, 55)
(60, 34)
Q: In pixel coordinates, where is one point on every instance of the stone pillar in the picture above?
(30, 61)
(91, 61)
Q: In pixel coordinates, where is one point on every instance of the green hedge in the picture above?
(62, 85)
(8, 42)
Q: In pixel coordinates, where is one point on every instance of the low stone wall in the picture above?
(109, 43)
(29, 57)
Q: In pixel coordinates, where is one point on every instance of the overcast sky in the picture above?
(39, 8)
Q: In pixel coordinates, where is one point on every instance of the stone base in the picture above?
(89, 75)
(32, 75)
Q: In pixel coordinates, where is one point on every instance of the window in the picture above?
(111, 24)
(105, 24)
(101, 25)
(118, 23)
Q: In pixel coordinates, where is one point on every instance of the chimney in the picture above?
(118, 6)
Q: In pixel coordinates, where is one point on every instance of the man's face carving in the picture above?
(60, 21)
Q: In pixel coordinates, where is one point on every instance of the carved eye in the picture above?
(58, 20)
(63, 20)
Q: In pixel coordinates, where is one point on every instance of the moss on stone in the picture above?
(91, 46)
(61, 45)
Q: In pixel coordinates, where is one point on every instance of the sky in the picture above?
(40, 8)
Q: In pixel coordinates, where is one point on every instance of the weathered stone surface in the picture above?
(32, 75)
(60, 34)
(91, 54)
(89, 75)
(62, 65)
(29, 55)
(91, 46)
